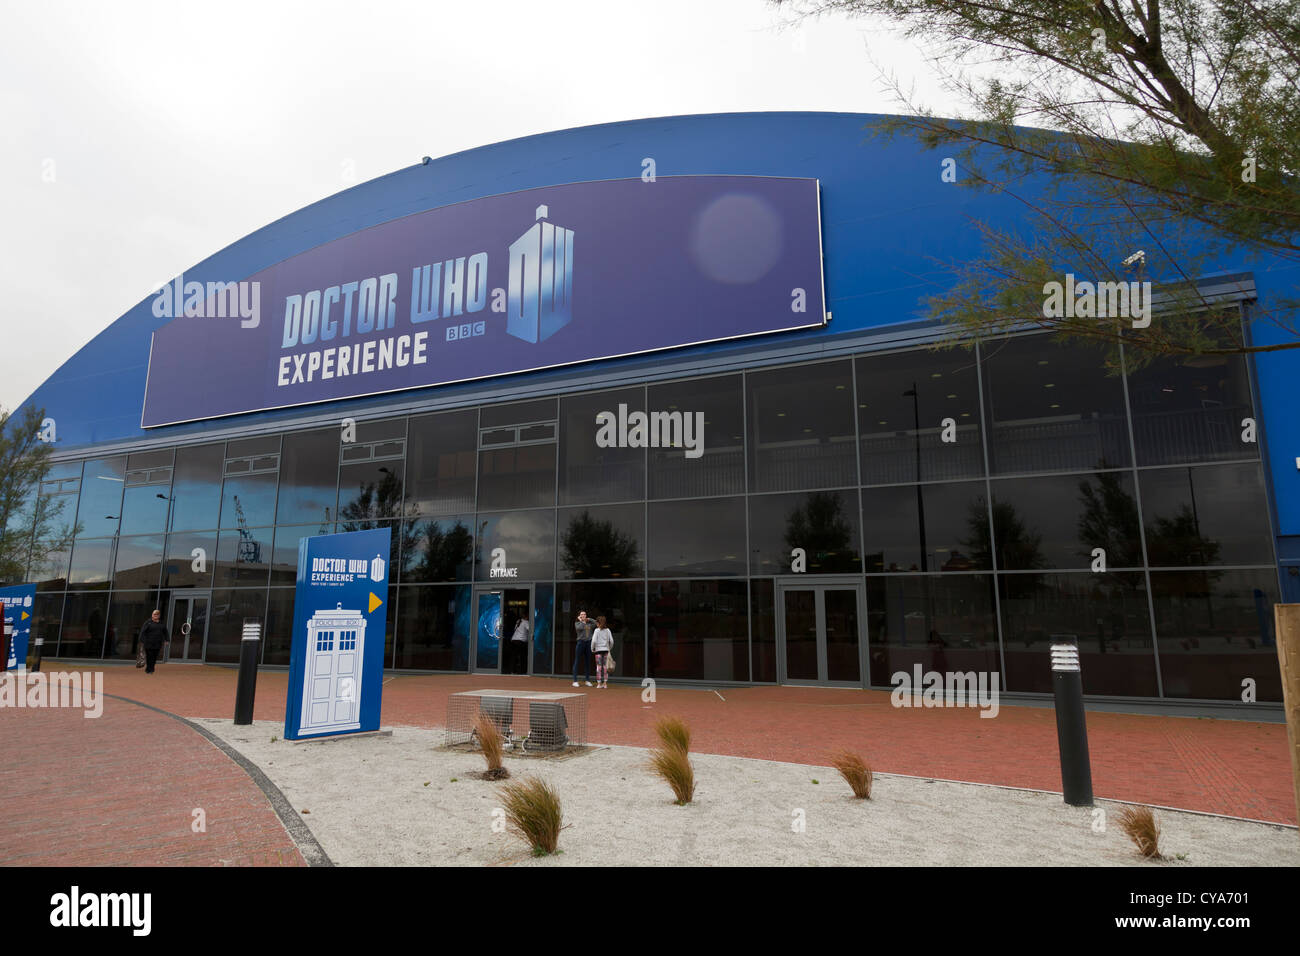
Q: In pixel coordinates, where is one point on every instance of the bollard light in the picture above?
(1071, 725)
(249, 651)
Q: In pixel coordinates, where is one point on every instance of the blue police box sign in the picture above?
(18, 601)
(336, 661)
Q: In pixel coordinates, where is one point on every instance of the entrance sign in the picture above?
(18, 601)
(336, 661)
(512, 283)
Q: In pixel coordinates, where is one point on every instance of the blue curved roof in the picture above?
(888, 222)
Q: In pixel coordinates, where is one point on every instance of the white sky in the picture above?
(169, 130)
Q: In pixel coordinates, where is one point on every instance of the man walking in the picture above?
(152, 638)
(584, 629)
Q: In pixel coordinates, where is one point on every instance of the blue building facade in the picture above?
(860, 503)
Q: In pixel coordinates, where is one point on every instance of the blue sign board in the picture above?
(511, 283)
(18, 601)
(336, 661)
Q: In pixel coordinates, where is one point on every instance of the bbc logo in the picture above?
(466, 331)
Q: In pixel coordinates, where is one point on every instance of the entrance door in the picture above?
(496, 615)
(819, 638)
(187, 623)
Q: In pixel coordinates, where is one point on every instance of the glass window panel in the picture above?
(544, 629)
(277, 635)
(252, 447)
(519, 477)
(1191, 409)
(433, 628)
(47, 619)
(248, 501)
(623, 605)
(139, 562)
(440, 464)
(127, 612)
(499, 436)
(1215, 629)
(284, 558)
(101, 497)
(196, 488)
(48, 569)
(389, 428)
(182, 567)
(801, 428)
(226, 621)
(904, 399)
(699, 630)
(799, 616)
(1056, 522)
(1104, 614)
(950, 520)
(437, 549)
(942, 623)
(519, 413)
(526, 537)
(702, 537)
(604, 542)
(144, 509)
(85, 617)
(1052, 406)
(243, 558)
(720, 468)
(589, 472)
(823, 523)
(368, 492)
(92, 563)
(762, 627)
(309, 478)
(1214, 514)
(149, 460)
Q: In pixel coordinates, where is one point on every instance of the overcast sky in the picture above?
(140, 138)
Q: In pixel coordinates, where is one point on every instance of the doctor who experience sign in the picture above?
(511, 283)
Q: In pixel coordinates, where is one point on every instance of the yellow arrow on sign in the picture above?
(25, 615)
(374, 601)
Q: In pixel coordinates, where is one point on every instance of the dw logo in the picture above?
(377, 569)
(540, 289)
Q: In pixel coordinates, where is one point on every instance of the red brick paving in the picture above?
(120, 790)
(1231, 767)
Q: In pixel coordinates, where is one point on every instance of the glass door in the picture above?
(187, 623)
(488, 610)
(819, 638)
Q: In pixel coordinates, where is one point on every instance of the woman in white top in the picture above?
(602, 643)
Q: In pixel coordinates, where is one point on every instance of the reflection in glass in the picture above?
(940, 622)
(228, 609)
(720, 469)
(47, 618)
(1057, 521)
(243, 558)
(622, 603)
(1206, 515)
(940, 527)
(517, 477)
(1215, 630)
(308, 478)
(85, 617)
(440, 463)
(277, 635)
(800, 609)
(588, 472)
(139, 562)
(437, 549)
(369, 492)
(1105, 615)
(284, 557)
(699, 629)
(1052, 406)
(526, 540)
(190, 560)
(704, 537)
(801, 428)
(1191, 409)
(906, 401)
(762, 627)
(127, 613)
(196, 488)
(92, 562)
(543, 628)
(601, 542)
(100, 510)
(433, 628)
(822, 523)
(248, 501)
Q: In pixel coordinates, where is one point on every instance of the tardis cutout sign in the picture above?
(336, 663)
(18, 601)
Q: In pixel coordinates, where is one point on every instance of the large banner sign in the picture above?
(18, 601)
(511, 283)
(336, 661)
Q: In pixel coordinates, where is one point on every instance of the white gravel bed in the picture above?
(391, 801)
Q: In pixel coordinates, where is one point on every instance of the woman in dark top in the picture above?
(152, 637)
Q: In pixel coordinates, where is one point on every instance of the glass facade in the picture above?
(986, 501)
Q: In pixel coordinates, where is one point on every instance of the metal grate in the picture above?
(530, 721)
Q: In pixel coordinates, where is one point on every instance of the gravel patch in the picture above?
(391, 801)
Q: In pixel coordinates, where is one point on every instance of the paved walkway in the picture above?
(121, 790)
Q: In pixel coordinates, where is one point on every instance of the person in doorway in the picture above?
(153, 636)
(602, 645)
(584, 629)
(519, 647)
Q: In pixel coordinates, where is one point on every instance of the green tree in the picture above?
(443, 552)
(31, 525)
(591, 548)
(1147, 115)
